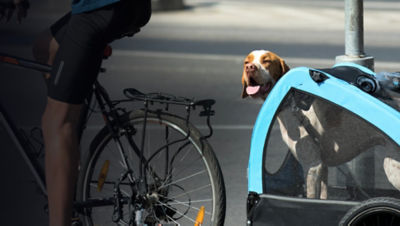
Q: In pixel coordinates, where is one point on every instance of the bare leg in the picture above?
(59, 123)
(60, 126)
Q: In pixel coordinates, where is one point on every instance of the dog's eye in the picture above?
(266, 61)
(246, 62)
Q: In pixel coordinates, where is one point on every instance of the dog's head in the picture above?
(261, 70)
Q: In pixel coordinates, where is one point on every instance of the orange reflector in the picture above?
(103, 175)
(9, 60)
(200, 216)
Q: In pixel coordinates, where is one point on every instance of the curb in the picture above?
(167, 5)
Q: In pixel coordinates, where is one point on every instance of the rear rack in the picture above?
(169, 99)
(164, 98)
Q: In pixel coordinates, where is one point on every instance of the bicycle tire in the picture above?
(380, 211)
(215, 212)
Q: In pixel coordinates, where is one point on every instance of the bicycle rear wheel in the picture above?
(182, 175)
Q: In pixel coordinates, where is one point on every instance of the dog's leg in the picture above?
(324, 182)
(392, 171)
(308, 154)
(314, 182)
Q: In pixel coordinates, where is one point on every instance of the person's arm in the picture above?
(7, 8)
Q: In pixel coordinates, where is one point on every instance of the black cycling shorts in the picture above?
(83, 38)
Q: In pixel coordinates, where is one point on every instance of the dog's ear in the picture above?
(284, 67)
(244, 86)
(279, 66)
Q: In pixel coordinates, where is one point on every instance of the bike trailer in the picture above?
(356, 111)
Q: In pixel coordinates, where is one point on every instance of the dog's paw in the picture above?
(392, 170)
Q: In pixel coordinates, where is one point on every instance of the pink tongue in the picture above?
(251, 90)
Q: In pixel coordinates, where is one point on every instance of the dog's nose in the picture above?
(250, 67)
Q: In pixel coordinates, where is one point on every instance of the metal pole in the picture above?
(354, 29)
(354, 35)
(364, 165)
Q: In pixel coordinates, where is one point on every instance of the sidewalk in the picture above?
(292, 23)
(281, 17)
(286, 21)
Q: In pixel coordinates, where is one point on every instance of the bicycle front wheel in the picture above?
(181, 184)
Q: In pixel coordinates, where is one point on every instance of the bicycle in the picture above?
(144, 167)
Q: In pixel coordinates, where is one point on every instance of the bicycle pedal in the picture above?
(76, 221)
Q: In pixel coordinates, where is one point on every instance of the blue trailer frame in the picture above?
(263, 206)
(350, 98)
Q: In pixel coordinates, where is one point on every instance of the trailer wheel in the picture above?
(382, 211)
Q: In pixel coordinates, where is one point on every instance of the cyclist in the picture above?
(74, 46)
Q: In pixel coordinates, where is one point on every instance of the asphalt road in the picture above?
(196, 52)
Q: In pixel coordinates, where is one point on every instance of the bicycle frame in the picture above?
(20, 142)
(111, 117)
(22, 145)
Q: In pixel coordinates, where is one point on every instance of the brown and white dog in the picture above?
(261, 70)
